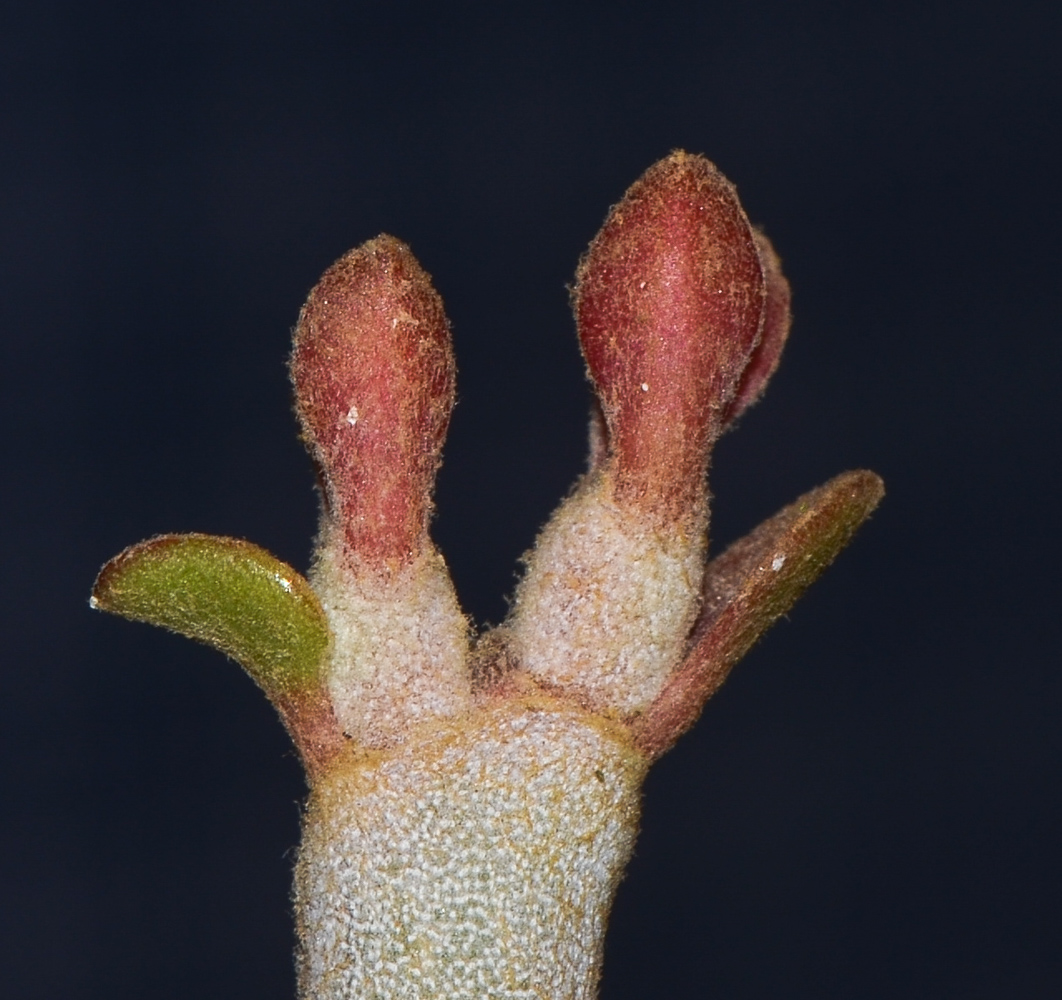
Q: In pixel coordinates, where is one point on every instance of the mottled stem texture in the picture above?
(474, 798)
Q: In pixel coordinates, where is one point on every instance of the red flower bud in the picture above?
(374, 383)
(768, 352)
(670, 301)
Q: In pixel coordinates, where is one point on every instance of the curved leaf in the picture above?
(227, 593)
(751, 585)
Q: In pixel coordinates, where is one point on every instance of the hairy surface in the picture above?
(607, 602)
(399, 648)
(669, 301)
(478, 861)
(373, 369)
(472, 810)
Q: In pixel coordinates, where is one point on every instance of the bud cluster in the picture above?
(473, 803)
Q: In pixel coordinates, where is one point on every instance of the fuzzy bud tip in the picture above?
(373, 372)
(670, 302)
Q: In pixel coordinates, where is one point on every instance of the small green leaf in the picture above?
(227, 593)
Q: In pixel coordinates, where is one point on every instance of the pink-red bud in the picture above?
(670, 302)
(768, 352)
(374, 384)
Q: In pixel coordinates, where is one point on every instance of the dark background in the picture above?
(872, 805)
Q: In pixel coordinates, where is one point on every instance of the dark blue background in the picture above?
(872, 807)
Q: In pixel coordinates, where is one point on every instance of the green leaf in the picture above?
(227, 593)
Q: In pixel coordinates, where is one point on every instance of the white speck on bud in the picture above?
(352, 415)
(777, 563)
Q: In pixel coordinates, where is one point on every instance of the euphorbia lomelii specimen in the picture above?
(474, 799)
